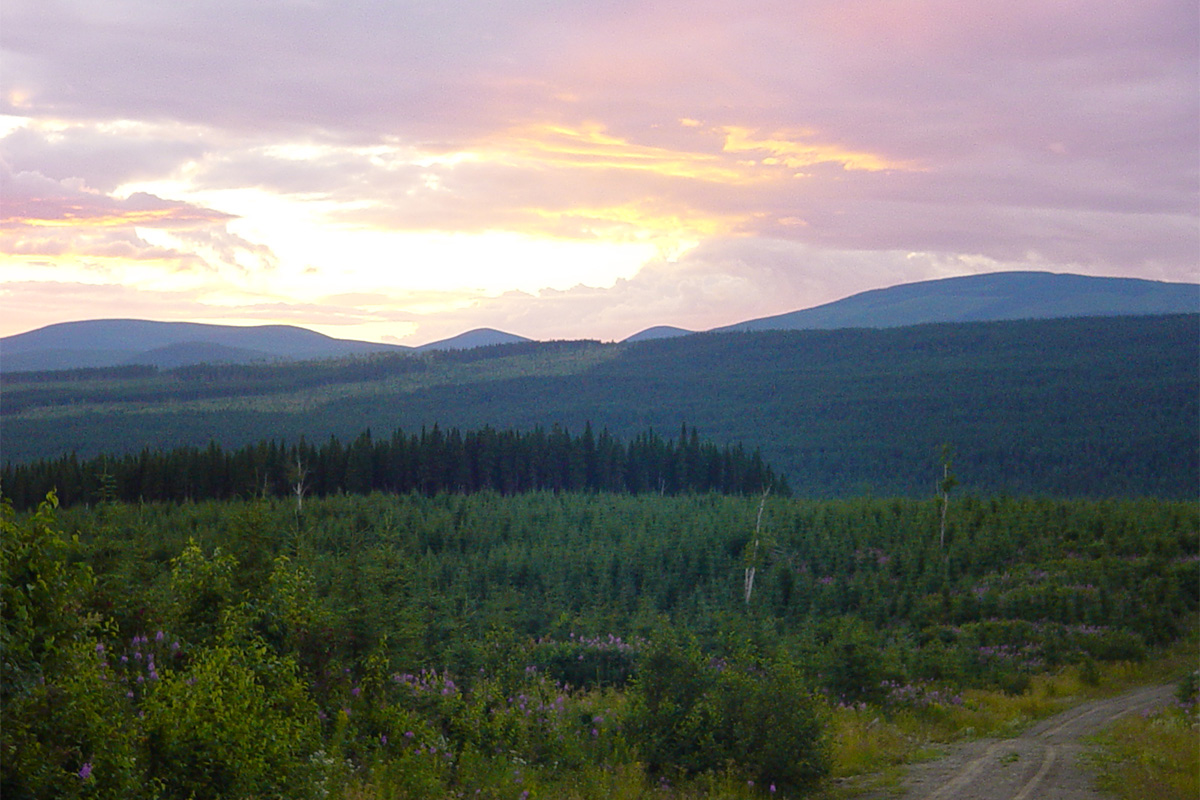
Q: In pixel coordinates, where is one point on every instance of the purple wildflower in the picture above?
(85, 771)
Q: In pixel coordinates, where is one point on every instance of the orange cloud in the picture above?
(591, 147)
(639, 220)
(732, 156)
(100, 211)
(795, 153)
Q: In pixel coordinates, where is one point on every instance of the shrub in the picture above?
(692, 715)
(236, 723)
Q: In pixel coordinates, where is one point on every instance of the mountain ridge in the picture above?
(994, 296)
(990, 297)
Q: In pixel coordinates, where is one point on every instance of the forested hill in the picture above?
(990, 297)
(1070, 407)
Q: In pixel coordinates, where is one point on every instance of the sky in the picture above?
(406, 170)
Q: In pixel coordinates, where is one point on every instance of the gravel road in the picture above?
(1040, 764)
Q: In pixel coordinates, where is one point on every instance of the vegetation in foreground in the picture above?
(555, 645)
(1155, 756)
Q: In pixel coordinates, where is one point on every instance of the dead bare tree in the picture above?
(752, 561)
(947, 483)
(300, 486)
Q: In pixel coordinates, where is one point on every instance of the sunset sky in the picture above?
(406, 170)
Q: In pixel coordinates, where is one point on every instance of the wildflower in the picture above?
(99, 648)
(772, 788)
(85, 771)
(158, 637)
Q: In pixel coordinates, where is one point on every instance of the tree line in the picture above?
(430, 462)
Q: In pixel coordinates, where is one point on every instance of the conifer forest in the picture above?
(556, 612)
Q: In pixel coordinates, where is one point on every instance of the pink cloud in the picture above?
(32, 200)
(1056, 134)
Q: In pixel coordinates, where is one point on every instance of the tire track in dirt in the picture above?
(1040, 764)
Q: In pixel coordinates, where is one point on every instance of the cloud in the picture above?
(33, 200)
(800, 150)
(103, 157)
(42, 217)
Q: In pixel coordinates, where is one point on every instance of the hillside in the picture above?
(975, 298)
(1032, 407)
(991, 297)
(111, 342)
(480, 337)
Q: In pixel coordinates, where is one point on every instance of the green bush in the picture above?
(697, 715)
(65, 732)
(236, 723)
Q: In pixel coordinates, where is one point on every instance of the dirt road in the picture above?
(1040, 764)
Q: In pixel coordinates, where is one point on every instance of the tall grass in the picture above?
(1152, 757)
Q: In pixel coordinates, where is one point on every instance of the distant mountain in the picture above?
(657, 332)
(993, 297)
(480, 337)
(113, 342)
(976, 298)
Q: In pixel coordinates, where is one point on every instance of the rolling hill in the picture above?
(991, 297)
(1029, 407)
(480, 337)
(975, 298)
(113, 342)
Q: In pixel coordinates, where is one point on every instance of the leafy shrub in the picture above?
(63, 731)
(201, 592)
(694, 715)
(236, 723)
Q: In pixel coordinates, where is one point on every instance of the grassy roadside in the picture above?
(1145, 758)
(1154, 756)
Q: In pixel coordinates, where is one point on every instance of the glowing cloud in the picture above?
(592, 147)
(790, 150)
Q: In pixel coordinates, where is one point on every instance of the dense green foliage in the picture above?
(440, 645)
(507, 462)
(1035, 407)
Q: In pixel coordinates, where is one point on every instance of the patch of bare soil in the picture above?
(1043, 763)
